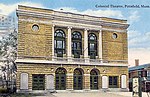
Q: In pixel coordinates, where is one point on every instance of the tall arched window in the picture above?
(59, 42)
(92, 45)
(76, 44)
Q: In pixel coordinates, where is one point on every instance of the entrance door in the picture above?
(78, 80)
(60, 79)
(93, 80)
(38, 81)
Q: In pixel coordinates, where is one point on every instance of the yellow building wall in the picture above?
(114, 49)
(51, 68)
(31, 43)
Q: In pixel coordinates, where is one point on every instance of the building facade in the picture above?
(144, 72)
(67, 51)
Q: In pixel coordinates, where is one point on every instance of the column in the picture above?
(69, 81)
(69, 44)
(86, 45)
(30, 82)
(100, 45)
(53, 32)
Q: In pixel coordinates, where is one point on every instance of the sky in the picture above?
(137, 17)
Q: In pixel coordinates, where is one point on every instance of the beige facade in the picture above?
(37, 53)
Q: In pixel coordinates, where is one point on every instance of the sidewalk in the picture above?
(95, 94)
(144, 94)
(92, 94)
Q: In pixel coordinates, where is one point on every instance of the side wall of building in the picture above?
(114, 49)
(31, 43)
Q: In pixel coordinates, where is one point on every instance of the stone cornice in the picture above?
(53, 16)
(28, 61)
(73, 25)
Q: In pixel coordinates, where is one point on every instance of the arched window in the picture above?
(59, 42)
(76, 44)
(92, 45)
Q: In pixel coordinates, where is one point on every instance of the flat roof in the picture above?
(19, 7)
(139, 67)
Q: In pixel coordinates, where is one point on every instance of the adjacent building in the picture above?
(144, 72)
(7, 25)
(67, 51)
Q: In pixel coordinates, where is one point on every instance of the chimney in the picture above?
(136, 62)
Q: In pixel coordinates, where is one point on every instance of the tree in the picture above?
(8, 52)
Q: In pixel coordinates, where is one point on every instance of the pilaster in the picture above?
(53, 32)
(86, 81)
(69, 81)
(100, 45)
(69, 44)
(86, 45)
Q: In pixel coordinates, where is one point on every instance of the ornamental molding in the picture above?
(28, 61)
(65, 17)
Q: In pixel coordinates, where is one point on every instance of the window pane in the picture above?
(92, 46)
(78, 46)
(115, 80)
(59, 44)
(92, 38)
(110, 80)
(63, 44)
(59, 34)
(55, 43)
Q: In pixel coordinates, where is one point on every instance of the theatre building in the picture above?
(67, 51)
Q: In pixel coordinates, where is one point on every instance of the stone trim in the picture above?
(69, 74)
(55, 62)
(70, 19)
(74, 25)
(24, 81)
(86, 74)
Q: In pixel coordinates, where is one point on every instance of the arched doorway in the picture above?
(60, 79)
(94, 79)
(78, 79)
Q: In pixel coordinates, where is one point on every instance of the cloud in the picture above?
(138, 40)
(133, 17)
(143, 54)
(133, 34)
(99, 13)
(7, 9)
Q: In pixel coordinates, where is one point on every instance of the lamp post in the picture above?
(140, 81)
